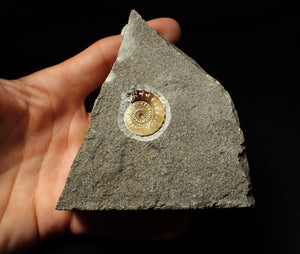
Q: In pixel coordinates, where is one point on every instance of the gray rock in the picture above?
(195, 160)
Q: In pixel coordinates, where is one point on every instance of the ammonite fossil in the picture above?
(145, 114)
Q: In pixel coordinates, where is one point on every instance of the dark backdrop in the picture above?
(250, 47)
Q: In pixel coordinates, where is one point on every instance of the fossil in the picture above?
(145, 115)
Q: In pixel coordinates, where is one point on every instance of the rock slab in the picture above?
(196, 159)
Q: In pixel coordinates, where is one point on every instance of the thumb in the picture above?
(86, 71)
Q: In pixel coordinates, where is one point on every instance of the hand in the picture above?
(42, 124)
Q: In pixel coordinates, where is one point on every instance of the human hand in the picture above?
(42, 124)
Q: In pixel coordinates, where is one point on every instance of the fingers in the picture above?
(167, 27)
(87, 70)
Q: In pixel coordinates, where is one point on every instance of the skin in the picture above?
(43, 122)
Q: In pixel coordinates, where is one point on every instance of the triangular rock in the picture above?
(163, 135)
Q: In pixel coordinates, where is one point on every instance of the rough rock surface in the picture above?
(196, 160)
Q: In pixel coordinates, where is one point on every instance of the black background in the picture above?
(250, 47)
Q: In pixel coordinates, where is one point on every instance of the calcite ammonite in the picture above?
(145, 115)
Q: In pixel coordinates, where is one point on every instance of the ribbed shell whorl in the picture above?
(145, 115)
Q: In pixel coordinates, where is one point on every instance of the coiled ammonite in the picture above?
(145, 114)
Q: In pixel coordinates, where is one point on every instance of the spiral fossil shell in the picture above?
(145, 114)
